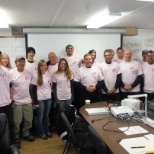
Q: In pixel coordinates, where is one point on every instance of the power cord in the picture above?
(118, 131)
(94, 120)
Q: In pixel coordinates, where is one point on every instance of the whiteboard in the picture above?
(143, 41)
(45, 43)
(13, 47)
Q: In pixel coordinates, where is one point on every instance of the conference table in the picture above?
(111, 138)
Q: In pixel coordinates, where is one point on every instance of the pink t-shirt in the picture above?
(52, 69)
(31, 67)
(117, 60)
(142, 62)
(63, 86)
(130, 70)
(4, 87)
(20, 85)
(88, 76)
(110, 72)
(148, 73)
(43, 91)
(73, 62)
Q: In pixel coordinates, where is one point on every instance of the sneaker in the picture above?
(29, 138)
(44, 137)
(17, 143)
(48, 135)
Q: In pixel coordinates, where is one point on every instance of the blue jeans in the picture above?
(43, 116)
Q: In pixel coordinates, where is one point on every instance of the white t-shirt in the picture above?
(4, 87)
(117, 60)
(148, 74)
(130, 70)
(31, 67)
(43, 91)
(52, 69)
(63, 86)
(20, 85)
(73, 62)
(88, 76)
(110, 72)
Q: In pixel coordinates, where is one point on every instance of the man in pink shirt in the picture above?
(73, 60)
(144, 57)
(21, 79)
(93, 55)
(88, 81)
(31, 64)
(148, 75)
(131, 75)
(112, 77)
(5, 101)
(120, 55)
(52, 68)
(52, 63)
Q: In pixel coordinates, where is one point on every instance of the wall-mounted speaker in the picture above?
(17, 31)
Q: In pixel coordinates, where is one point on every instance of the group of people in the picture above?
(68, 79)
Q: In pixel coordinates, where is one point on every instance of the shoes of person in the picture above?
(29, 138)
(48, 135)
(44, 137)
(17, 143)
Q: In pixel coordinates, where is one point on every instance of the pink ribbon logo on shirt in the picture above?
(114, 70)
(27, 78)
(132, 68)
(153, 70)
(4, 75)
(94, 73)
(74, 63)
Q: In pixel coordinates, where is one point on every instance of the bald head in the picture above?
(128, 55)
(52, 58)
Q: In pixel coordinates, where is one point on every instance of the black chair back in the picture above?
(5, 144)
(4, 134)
(68, 128)
(100, 146)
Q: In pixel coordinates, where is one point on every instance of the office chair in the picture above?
(5, 145)
(80, 141)
(100, 147)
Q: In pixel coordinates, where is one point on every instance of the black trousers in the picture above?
(8, 110)
(125, 94)
(150, 96)
(114, 97)
(92, 96)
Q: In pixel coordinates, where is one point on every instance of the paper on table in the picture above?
(134, 130)
(147, 143)
(149, 136)
(125, 144)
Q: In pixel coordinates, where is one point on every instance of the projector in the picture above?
(118, 110)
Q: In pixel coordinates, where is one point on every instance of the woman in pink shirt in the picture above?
(5, 61)
(41, 87)
(5, 101)
(63, 83)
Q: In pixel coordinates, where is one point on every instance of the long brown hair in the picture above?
(68, 72)
(40, 77)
